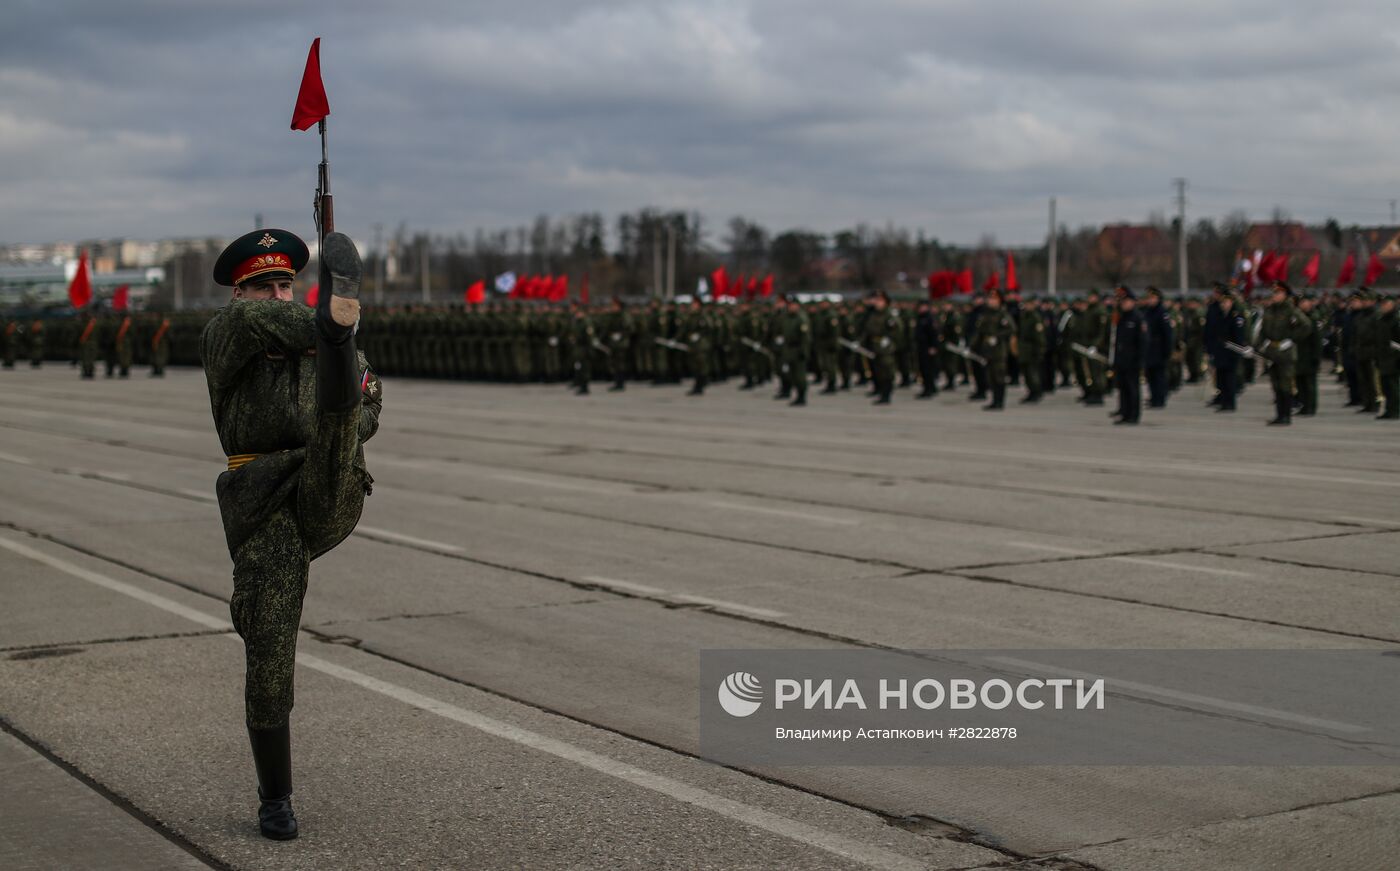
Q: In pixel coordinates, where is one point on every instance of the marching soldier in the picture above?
(826, 333)
(1281, 329)
(697, 332)
(1229, 328)
(1193, 327)
(1309, 360)
(992, 340)
(1160, 348)
(11, 336)
(292, 410)
(584, 338)
(795, 342)
(1388, 357)
(926, 347)
(619, 334)
(1030, 347)
(87, 346)
(1130, 342)
(160, 346)
(878, 338)
(36, 344)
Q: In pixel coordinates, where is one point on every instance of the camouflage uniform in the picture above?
(301, 493)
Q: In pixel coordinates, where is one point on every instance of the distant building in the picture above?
(1133, 252)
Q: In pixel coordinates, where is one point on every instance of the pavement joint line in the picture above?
(14, 458)
(1331, 802)
(112, 796)
(1195, 698)
(839, 845)
(1185, 567)
(93, 642)
(613, 583)
(1296, 563)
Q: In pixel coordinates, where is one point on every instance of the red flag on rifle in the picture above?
(313, 295)
(311, 105)
(121, 297)
(1314, 267)
(993, 281)
(1374, 269)
(1011, 282)
(80, 288)
(1348, 270)
(476, 293)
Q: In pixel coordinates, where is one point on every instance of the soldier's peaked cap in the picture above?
(258, 254)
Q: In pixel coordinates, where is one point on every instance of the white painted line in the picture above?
(847, 848)
(12, 458)
(1180, 566)
(625, 585)
(1131, 559)
(801, 515)
(1374, 521)
(684, 597)
(1049, 547)
(560, 485)
(119, 477)
(116, 586)
(865, 854)
(1191, 698)
(731, 606)
(198, 494)
(399, 538)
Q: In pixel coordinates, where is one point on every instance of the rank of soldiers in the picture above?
(1097, 344)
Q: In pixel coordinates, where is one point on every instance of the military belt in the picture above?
(238, 461)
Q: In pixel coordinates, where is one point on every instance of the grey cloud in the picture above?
(170, 118)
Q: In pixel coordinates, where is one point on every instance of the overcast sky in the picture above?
(153, 118)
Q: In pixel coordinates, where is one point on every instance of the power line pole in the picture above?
(1053, 244)
(1181, 229)
(655, 262)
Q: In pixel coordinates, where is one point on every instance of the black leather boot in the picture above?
(337, 366)
(272, 757)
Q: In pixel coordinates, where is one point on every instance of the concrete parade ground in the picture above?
(499, 669)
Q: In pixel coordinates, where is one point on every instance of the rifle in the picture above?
(962, 350)
(672, 344)
(848, 344)
(1088, 353)
(1244, 351)
(752, 345)
(599, 346)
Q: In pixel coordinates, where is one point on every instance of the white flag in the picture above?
(505, 282)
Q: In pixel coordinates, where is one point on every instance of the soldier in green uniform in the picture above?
(1093, 333)
(795, 344)
(1193, 330)
(1031, 348)
(952, 333)
(1367, 351)
(36, 344)
(1281, 328)
(87, 346)
(10, 337)
(1309, 359)
(617, 332)
(992, 341)
(1387, 328)
(160, 345)
(581, 346)
(121, 346)
(292, 409)
(878, 338)
(696, 332)
(826, 331)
